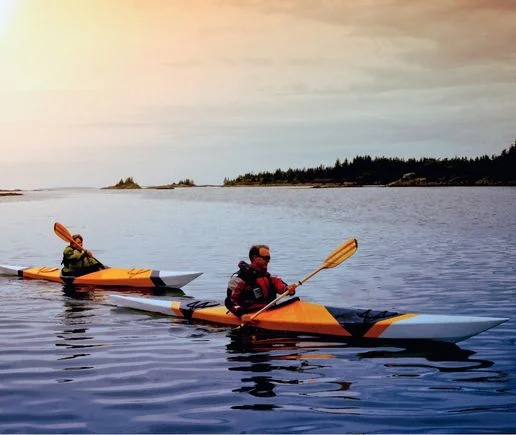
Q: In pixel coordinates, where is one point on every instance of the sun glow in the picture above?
(6, 11)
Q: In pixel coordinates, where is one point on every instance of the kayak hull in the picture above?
(298, 316)
(110, 277)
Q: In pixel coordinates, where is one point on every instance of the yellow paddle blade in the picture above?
(62, 232)
(341, 253)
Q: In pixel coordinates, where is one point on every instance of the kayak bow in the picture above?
(306, 317)
(113, 276)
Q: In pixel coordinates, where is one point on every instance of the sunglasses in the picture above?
(265, 257)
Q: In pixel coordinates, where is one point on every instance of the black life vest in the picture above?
(254, 292)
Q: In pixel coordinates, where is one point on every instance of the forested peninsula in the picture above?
(497, 170)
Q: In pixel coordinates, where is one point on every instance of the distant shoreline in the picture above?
(398, 183)
(497, 170)
(483, 183)
(14, 192)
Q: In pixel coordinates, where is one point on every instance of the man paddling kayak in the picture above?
(252, 287)
(78, 261)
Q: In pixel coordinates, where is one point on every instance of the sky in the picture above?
(92, 91)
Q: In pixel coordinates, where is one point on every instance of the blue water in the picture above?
(70, 362)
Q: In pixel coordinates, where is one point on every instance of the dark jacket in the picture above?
(250, 289)
(76, 262)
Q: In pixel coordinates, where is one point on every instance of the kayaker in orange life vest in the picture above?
(78, 261)
(252, 287)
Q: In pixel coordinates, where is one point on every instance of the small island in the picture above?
(129, 183)
(181, 183)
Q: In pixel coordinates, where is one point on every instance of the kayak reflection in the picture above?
(100, 294)
(257, 341)
(271, 362)
(254, 347)
(433, 353)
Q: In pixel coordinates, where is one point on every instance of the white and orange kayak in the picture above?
(298, 316)
(113, 276)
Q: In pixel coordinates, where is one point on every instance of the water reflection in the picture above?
(82, 293)
(312, 362)
(458, 359)
(99, 294)
(260, 346)
(75, 340)
(80, 313)
(263, 387)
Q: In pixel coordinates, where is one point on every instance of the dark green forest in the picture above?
(365, 170)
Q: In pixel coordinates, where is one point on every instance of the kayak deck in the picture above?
(306, 317)
(113, 276)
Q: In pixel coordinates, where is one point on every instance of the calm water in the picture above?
(72, 363)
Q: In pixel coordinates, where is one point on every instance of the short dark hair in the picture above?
(255, 251)
(77, 236)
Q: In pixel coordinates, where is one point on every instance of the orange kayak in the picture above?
(113, 276)
(299, 316)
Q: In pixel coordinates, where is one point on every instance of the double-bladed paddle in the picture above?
(337, 256)
(63, 233)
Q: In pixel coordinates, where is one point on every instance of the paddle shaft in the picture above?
(285, 293)
(63, 233)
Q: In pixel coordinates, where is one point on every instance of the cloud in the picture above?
(455, 32)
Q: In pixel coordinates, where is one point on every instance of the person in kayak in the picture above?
(252, 287)
(78, 261)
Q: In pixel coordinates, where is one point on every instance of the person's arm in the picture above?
(237, 286)
(282, 287)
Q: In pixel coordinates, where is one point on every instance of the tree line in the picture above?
(365, 170)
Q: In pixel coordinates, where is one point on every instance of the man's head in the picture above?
(260, 256)
(77, 239)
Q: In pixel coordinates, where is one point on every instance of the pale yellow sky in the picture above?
(247, 85)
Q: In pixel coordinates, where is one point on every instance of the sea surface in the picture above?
(71, 362)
